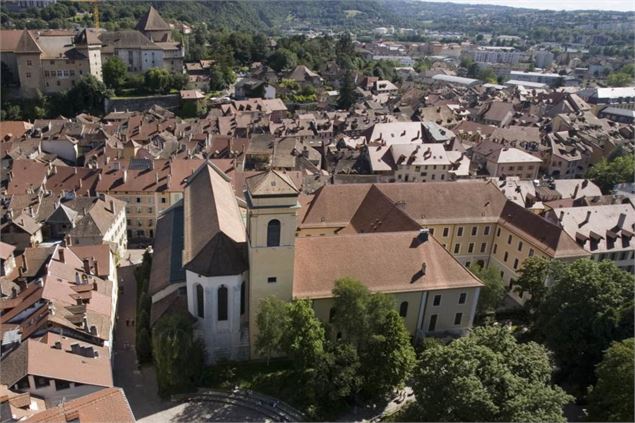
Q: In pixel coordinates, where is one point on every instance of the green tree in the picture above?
(493, 293)
(350, 310)
(178, 355)
(282, 59)
(337, 375)
(87, 96)
(347, 92)
(178, 81)
(217, 80)
(487, 75)
(487, 376)
(304, 339)
(389, 358)
(611, 399)
(157, 80)
(583, 311)
(371, 324)
(534, 273)
(12, 112)
(606, 174)
(143, 345)
(114, 71)
(619, 79)
(272, 323)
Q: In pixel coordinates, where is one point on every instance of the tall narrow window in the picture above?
(273, 233)
(222, 303)
(200, 301)
(457, 318)
(242, 298)
(403, 309)
(433, 323)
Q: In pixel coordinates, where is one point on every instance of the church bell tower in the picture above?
(272, 201)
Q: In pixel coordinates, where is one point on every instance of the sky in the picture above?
(622, 5)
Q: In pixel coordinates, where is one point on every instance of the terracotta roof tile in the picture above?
(104, 406)
(384, 262)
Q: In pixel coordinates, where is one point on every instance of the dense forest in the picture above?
(240, 15)
(272, 16)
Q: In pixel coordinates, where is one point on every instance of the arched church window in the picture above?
(222, 303)
(200, 301)
(273, 233)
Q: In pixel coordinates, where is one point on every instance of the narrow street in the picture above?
(140, 386)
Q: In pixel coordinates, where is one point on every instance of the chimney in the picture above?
(86, 262)
(561, 216)
(60, 253)
(125, 176)
(423, 236)
(57, 345)
(424, 266)
(75, 348)
(586, 219)
(96, 267)
(621, 220)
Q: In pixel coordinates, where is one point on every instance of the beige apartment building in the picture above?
(147, 191)
(471, 219)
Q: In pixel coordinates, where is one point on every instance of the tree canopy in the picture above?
(487, 376)
(606, 174)
(178, 355)
(586, 307)
(347, 92)
(114, 72)
(271, 321)
(282, 59)
(367, 349)
(370, 323)
(87, 96)
(611, 399)
(493, 293)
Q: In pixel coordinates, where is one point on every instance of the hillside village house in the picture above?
(275, 242)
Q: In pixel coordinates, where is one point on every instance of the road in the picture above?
(140, 386)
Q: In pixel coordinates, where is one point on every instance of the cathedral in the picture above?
(266, 238)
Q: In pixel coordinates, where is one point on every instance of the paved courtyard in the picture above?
(205, 411)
